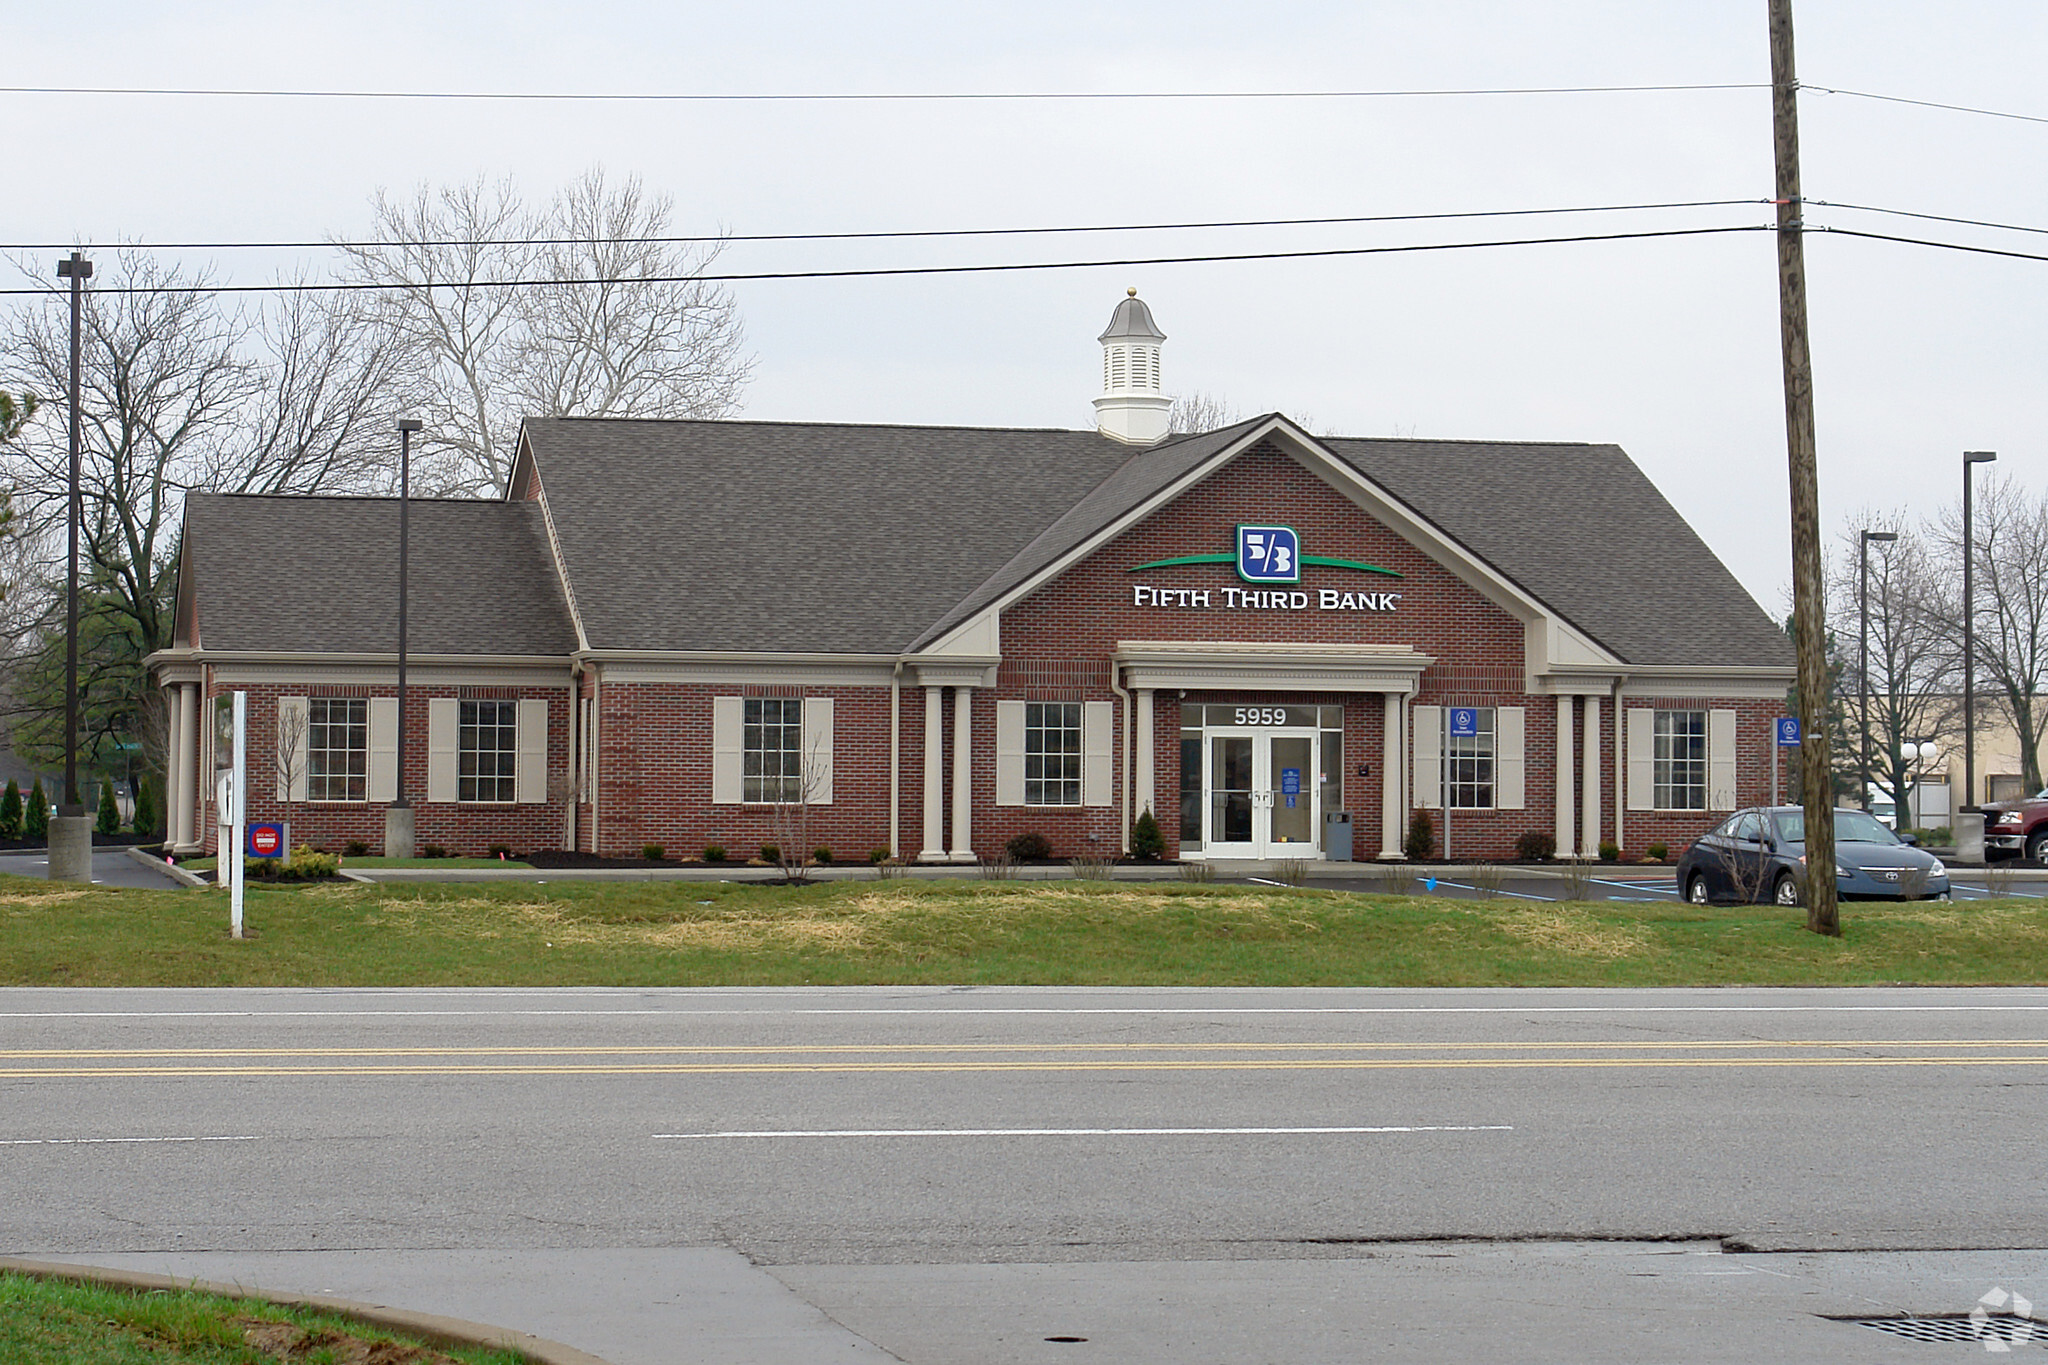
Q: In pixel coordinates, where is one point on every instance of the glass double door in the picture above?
(1263, 790)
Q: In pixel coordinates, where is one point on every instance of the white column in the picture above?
(174, 708)
(1144, 781)
(186, 795)
(963, 775)
(1392, 766)
(1567, 840)
(934, 849)
(1589, 762)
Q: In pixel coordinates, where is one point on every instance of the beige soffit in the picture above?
(741, 667)
(1203, 665)
(1754, 682)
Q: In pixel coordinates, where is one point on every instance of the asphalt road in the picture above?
(110, 867)
(853, 1145)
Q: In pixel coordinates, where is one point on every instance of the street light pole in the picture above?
(399, 824)
(1863, 607)
(1970, 457)
(70, 832)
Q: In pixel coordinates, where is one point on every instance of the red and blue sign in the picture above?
(266, 841)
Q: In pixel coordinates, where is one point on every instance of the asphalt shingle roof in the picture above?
(320, 575)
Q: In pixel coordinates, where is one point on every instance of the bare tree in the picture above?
(2010, 537)
(1198, 412)
(613, 322)
(1909, 692)
(290, 758)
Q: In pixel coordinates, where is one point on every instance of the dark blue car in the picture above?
(1759, 854)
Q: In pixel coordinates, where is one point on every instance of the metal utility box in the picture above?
(1337, 836)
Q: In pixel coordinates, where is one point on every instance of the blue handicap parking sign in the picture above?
(1464, 722)
(1788, 732)
(1290, 785)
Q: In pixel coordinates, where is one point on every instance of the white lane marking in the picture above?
(101, 1141)
(1518, 895)
(1083, 1132)
(947, 1011)
(1670, 890)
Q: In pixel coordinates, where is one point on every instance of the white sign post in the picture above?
(232, 733)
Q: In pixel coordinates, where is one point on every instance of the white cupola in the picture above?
(1133, 406)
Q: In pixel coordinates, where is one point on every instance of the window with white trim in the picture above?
(1679, 760)
(1468, 765)
(1052, 753)
(772, 740)
(337, 748)
(487, 752)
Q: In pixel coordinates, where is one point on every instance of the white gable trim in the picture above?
(526, 470)
(1404, 521)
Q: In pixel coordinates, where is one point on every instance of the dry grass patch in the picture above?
(1573, 931)
(35, 898)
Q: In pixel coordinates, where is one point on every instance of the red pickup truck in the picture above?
(2015, 829)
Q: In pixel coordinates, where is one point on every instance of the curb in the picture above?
(171, 870)
(428, 1327)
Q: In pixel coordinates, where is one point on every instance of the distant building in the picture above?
(936, 638)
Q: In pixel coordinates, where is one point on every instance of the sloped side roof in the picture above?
(1583, 530)
(320, 575)
(795, 537)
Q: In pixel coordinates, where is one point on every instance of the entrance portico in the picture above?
(1258, 778)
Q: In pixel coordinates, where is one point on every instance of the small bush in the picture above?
(1093, 867)
(1659, 851)
(878, 856)
(145, 820)
(998, 867)
(433, 851)
(310, 864)
(499, 851)
(771, 853)
(1146, 840)
(714, 853)
(109, 821)
(822, 856)
(1536, 846)
(356, 848)
(653, 853)
(1610, 852)
(35, 820)
(10, 811)
(1028, 848)
(1421, 840)
(1197, 872)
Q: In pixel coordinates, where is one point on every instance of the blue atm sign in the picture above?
(1268, 554)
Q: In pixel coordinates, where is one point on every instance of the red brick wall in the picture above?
(462, 829)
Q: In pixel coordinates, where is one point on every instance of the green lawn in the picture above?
(58, 1322)
(904, 931)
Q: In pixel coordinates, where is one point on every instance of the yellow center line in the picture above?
(814, 1068)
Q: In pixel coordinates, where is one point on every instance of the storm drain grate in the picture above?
(1994, 1330)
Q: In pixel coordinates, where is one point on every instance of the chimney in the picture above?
(1132, 407)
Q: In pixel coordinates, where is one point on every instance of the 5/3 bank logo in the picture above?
(1268, 554)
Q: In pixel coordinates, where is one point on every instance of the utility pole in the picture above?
(1809, 630)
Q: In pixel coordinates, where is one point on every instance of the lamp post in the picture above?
(398, 816)
(1863, 608)
(1970, 457)
(71, 830)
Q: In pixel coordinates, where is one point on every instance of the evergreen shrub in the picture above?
(1146, 840)
(109, 821)
(1421, 840)
(35, 821)
(1029, 847)
(1536, 846)
(10, 811)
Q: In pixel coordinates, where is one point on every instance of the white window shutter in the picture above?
(1720, 760)
(530, 776)
(381, 767)
(1098, 753)
(1508, 757)
(292, 715)
(728, 741)
(817, 755)
(1009, 753)
(444, 735)
(1642, 758)
(1429, 755)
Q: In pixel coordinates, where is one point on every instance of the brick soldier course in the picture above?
(649, 592)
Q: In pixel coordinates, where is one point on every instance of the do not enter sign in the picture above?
(266, 841)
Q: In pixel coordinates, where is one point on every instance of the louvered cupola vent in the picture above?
(1133, 406)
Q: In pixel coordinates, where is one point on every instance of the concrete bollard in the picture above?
(71, 848)
(1969, 832)
(398, 829)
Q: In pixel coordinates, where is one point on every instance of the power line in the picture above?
(880, 236)
(1859, 208)
(798, 97)
(1926, 104)
(736, 278)
(1944, 246)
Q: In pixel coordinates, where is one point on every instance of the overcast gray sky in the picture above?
(1668, 347)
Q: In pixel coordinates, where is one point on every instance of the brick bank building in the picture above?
(930, 639)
